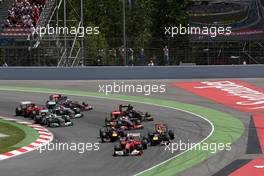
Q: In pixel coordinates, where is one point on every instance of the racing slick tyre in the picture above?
(123, 134)
(51, 125)
(103, 136)
(139, 147)
(77, 110)
(171, 134)
(101, 132)
(61, 123)
(138, 122)
(126, 152)
(44, 121)
(71, 124)
(147, 114)
(71, 115)
(144, 143)
(107, 121)
(33, 115)
(118, 147)
(66, 118)
(18, 111)
(153, 143)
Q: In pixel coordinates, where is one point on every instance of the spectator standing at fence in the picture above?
(141, 56)
(99, 57)
(166, 55)
(130, 57)
(5, 64)
(112, 54)
(122, 56)
(151, 63)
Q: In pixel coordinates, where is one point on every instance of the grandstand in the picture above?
(20, 41)
(207, 7)
(246, 41)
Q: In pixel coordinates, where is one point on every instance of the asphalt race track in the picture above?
(86, 130)
(67, 163)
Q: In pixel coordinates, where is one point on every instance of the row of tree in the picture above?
(145, 21)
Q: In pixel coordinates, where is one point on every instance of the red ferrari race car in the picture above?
(132, 145)
(28, 109)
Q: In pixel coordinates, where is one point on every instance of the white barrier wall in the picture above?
(108, 73)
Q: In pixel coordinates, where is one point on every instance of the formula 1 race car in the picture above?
(124, 123)
(129, 110)
(22, 108)
(42, 118)
(113, 117)
(51, 105)
(57, 98)
(28, 109)
(72, 113)
(54, 120)
(111, 134)
(60, 100)
(160, 136)
(132, 145)
(74, 104)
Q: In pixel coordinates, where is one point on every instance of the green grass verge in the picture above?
(227, 129)
(18, 136)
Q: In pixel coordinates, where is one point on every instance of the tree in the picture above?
(168, 13)
(145, 21)
(139, 23)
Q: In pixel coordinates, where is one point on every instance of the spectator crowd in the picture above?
(24, 14)
(134, 57)
(215, 7)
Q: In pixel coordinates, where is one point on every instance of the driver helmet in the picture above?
(130, 138)
(159, 130)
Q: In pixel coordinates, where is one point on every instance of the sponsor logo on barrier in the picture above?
(236, 94)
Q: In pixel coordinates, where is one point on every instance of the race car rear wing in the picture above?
(25, 102)
(133, 134)
(124, 106)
